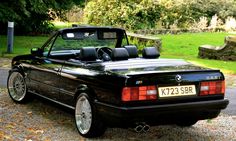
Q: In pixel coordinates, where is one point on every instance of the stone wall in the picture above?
(224, 52)
(177, 31)
(144, 41)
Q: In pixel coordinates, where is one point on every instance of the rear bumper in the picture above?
(161, 114)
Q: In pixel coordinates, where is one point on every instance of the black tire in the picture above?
(187, 123)
(16, 86)
(96, 127)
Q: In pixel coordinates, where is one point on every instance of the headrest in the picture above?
(88, 54)
(150, 52)
(132, 50)
(119, 54)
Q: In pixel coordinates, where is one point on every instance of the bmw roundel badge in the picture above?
(178, 78)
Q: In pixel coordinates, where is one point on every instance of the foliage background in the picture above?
(33, 16)
(146, 14)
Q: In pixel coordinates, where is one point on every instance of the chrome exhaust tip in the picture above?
(146, 128)
(138, 128)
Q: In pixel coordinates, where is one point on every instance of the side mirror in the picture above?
(37, 52)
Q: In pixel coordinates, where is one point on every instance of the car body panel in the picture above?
(160, 114)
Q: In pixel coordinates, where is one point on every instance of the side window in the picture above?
(124, 41)
(48, 46)
(59, 44)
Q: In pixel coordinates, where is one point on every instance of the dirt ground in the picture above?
(5, 62)
(40, 120)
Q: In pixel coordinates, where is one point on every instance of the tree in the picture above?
(32, 16)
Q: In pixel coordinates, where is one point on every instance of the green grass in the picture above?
(186, 45)
(22, 44)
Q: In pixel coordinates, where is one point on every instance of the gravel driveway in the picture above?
(39, 120)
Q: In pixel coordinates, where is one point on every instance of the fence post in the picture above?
(10, 36)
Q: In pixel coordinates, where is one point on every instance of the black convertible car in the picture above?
(96, 72)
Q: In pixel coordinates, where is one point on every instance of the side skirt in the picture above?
(65, 105)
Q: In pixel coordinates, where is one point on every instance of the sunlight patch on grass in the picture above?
(60, 24)
(185, 46)
(204, 64)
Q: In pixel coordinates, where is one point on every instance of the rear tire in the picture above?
(17, 88)
(87, 121)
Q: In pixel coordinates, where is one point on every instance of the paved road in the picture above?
(230, 93)
(3, 77)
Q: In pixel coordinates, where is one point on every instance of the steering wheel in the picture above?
(104, 53)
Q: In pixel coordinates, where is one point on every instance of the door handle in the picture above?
(58, 70)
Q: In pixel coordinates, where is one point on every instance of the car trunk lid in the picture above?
(147, 66)
(165, 75)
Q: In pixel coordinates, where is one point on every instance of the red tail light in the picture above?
(212, 87)
(139, 93)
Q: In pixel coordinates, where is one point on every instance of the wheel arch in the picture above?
(84, 88)
(19, 68)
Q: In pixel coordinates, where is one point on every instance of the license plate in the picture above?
(177, 91)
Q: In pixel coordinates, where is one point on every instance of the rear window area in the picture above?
(79, 39)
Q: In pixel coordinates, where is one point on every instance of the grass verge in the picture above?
(22, 44)
(184, 46)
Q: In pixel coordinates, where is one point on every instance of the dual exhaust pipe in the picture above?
(141, 127)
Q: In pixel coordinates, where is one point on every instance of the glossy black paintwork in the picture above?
(61, 80)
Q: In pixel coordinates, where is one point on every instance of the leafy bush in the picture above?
(146, 14)
(128, 14)
(201, 24)
(230, 24)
